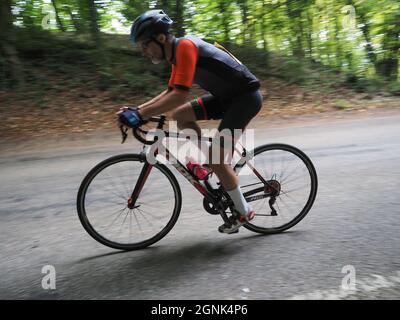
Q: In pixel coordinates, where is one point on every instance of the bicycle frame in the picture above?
(206, 190)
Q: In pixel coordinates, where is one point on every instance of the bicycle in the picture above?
(127, 187)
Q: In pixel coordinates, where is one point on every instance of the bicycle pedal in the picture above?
(236, 231)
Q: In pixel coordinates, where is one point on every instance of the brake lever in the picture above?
(124, 133)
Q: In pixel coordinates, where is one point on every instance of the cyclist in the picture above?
(234, 93)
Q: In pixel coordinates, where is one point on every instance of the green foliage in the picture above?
(350, 42)
(342, 104)
(293, 70)
(394, 88)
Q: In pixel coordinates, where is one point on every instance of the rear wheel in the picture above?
(104, 196)
(290, 190)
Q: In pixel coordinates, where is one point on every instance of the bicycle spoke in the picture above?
(287, 207)
(289, 196)
(115, 186)
(263, 168)
(103, 203)
(115, 212)
(283, 170)
(279, 209)
(130, 226)
(144, 216)
(116, 194)
(297, 188)
(288, 166)
(116, 218)
(137, 222)
(120, 228)
(284, 178)
(150, 207)
(287, 183)
(151, 215)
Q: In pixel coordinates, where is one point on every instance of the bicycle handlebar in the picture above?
(140, 133)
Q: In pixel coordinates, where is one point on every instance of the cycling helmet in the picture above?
(149, 24)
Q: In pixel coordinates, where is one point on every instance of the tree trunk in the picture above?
(309, 33)
(74, 19)
(27, 19)
(244, 8)
(59, 22)
(12, 67)
(163, 4)
(225, 22)
(262, 26)
(338, 42)
(294, 12)
(180, 32)
(389, 65)
(94, 22)
(368, 47)
(360, 15)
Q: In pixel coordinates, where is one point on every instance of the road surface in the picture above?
(354, 225)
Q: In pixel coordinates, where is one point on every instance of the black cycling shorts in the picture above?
(235, 113)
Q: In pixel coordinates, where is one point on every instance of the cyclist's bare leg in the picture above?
(226, 175)
(186, 119)
(229, 179)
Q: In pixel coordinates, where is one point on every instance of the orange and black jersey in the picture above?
(213, 69)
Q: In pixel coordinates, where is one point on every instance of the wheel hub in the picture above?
(131, 205)
(273, 188)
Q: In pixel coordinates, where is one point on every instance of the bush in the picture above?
(363, 85)
(293, 70)
(394, 88)
(342, 104)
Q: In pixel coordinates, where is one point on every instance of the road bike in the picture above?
(127, 203)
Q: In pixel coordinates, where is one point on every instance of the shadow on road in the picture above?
(220, 247)
(138, 273)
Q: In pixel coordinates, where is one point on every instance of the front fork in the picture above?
(144, 173)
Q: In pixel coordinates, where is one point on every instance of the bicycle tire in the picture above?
(313, 193)
(131, 246)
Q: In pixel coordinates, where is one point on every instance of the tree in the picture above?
(12, 66)
(223, 7)
(263, 29)
(388, 67)
(178, 19)
(294, 10)
(56, 11)
(243, 5)
(94, 21)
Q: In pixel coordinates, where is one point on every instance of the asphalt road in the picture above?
(355, 222)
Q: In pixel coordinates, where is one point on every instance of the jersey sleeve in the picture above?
(184, 70)
(171, 78)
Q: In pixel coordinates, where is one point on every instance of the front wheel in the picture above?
(105, 194)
